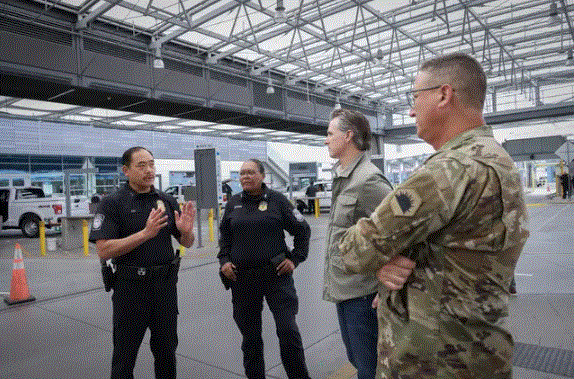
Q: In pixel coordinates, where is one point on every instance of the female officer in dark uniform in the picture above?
(133, 226)
(256, 263)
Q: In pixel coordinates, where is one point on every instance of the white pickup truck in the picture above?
(25, 207)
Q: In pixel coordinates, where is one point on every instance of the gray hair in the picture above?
(357, 123)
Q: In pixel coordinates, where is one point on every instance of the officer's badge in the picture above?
(405, 202)
(98, 220)
(160, 205)
(298, 215)
(263, 206)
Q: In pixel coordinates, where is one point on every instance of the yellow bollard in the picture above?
(317, 209)
(42, 239)
(85, 234)
(211, 237)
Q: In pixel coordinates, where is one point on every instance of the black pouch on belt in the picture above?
(108, 275)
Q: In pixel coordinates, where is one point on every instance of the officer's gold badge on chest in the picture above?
(160, 205)
(263, 206)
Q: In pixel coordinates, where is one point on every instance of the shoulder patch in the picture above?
(97, 223)
(298, 216)
(405, 202)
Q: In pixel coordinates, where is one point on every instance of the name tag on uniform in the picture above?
(263, 206)
(160, 205)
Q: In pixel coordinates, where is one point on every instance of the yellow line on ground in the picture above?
(345, 372)
(536, 205)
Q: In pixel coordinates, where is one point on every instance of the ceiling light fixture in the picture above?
(211, 58)
(158, 61)
(280, 15)
(270, 89)
(553, 14)
(379, 57)
(337, 103)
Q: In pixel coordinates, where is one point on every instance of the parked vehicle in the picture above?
(25, 207)
(323, 192)
(228, 187)
(176, 192)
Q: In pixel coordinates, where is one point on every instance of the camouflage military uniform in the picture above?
(462, 218)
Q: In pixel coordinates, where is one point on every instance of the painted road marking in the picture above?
(519, 274)
(536, 205)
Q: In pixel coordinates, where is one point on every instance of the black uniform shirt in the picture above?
(124, 213)
(252, 230)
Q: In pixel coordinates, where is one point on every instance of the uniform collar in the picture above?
(346, 172)
(264, 195)
(464, 138)
(133, 193)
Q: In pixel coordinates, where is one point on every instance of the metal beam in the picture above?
(200, 21)
(83, 20)
(499, 118)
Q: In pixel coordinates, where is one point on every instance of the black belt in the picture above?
(146, 273)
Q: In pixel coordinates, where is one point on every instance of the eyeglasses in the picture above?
(411, 94)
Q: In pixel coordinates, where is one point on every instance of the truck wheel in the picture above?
(301, 207)
(30, 226)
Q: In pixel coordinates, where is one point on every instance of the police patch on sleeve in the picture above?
(98, 220)
(405, 202)
(298, 216)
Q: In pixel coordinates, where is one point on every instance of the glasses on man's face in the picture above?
(411, 94)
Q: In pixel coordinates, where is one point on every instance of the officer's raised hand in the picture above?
(156, 220)
(285, 267)
(184, 220)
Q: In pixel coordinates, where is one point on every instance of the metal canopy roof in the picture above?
(359, 52)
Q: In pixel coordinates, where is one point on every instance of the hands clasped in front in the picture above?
(394, 274)
(285, 267)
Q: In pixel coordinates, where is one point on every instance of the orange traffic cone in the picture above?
(19, 292)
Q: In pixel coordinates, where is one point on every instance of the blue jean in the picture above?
(358, 322)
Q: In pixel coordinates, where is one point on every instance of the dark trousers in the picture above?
(359, 329)
(138, 305)
(279, 291)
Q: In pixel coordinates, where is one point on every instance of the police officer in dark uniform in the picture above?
(133, 227)
(256, 263)
(311, 192)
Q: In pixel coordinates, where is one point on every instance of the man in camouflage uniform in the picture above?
(462, 218)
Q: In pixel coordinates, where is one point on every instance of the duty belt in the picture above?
(146, 273)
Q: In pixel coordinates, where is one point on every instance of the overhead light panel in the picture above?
(270, 89)
(280, 15)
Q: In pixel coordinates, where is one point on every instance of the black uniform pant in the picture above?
(140, 304)
(279, 291)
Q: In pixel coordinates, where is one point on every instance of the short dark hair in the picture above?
(463, 73)
(127, 156)
(357, 123)
(259, 164)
